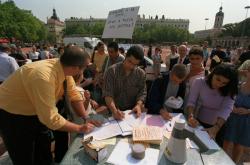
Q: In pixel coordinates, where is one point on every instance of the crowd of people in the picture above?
(48, 93)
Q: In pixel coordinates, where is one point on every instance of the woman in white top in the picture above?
(33, 55)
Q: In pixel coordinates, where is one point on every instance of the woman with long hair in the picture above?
(213, 97)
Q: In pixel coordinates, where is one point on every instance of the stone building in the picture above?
(141, 21)
(232, 42)
(55, 27)
(215, 31)
(178, 23)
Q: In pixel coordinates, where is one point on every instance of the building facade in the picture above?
(55, 27)
(232, 42)
(215, 31)
(141, 21)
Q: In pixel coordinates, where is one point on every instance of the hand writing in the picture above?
(192, 121)
(165, 114)
(94, 122)
(86, 128)
(136, 110)
(119, 115)
(94, 104)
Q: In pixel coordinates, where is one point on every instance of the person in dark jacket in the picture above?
(182, 59)
(171, 84)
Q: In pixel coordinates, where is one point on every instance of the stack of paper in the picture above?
(204, 137)
(106, 131)
(121, 155)
(113, 127)
(151, 134)
(157, 120)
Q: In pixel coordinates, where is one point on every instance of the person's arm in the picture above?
(87, 82)
(108, 93)
(117, 114)
(87, 99)
(77, 99)
(43, 99)
(241, 111)
(79, 109)
(191, 119)
(138, 108)
(193, 97)
(212, 131)
(72, 127)
(13, 65)
(141, 96)
(226, 108)
(165, 114)
(142, 93)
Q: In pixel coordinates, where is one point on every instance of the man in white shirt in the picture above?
(8, 64)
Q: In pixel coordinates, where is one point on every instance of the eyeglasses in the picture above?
(131, 62)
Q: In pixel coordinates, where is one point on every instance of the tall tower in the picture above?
(55, 27)
(219, 19)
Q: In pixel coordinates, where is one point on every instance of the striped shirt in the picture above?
(126, 90)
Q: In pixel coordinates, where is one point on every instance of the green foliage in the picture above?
(237, 29)
(20, 24)
(148, 34)
(159, 34)
(95, 29)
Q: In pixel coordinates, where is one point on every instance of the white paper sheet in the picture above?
(121, 155)
(106, 131)
(205, 138)
(113, 127)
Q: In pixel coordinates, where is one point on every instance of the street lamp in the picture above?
(206, 19)
(247, 7)
(244, 25)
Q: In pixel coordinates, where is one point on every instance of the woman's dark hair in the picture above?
(228, 71)
(136, 51)
(74, 56)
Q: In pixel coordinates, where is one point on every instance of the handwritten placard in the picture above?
(120, 23)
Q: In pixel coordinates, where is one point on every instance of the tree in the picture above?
(237, 29)
(20, 24)
(154, 33)
(88, 30)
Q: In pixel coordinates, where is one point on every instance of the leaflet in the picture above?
(113, 127)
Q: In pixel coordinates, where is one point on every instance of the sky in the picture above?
(194, 10)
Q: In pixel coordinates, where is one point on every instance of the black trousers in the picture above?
(26, 139)
(61, 145)
(61, 138)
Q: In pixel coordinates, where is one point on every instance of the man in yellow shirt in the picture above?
(28, 106)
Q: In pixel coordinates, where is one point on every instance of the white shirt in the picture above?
(33, 55)
(8, 65)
